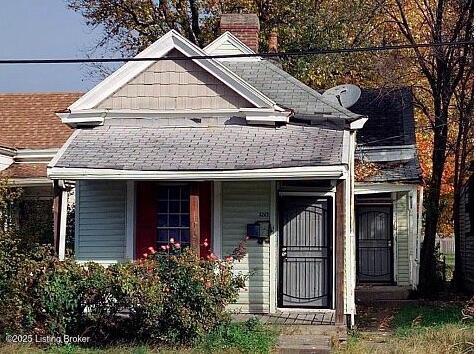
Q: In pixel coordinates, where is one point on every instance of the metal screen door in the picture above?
(305, 252)
(375, 244)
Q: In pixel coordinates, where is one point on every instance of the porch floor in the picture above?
(290, 318)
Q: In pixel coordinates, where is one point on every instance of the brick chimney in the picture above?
(273, 41)
(245, 27)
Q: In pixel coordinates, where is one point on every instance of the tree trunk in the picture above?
(429, 279)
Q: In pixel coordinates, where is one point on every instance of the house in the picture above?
(30, 136)
(209, 151)
(389, 193)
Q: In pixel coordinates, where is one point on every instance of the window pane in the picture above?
(173, 221)
(163, 193)
(185, 193)
(185, 207)
(174, 207)
(163, 206)
(163, 236)
(162, 220)
(174, 193)
(185, 236)
(185, 220)
(174, 233)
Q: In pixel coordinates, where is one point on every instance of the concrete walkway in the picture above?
(309, 339)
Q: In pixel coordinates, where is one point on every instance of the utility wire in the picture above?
(231, 56)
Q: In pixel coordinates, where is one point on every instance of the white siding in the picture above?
(402, 214)
(242, 203)
(100, 221)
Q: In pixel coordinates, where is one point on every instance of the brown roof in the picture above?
(28, 120)
(24, 170)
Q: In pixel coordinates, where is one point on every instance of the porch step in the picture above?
(318, 344)
(371, 293)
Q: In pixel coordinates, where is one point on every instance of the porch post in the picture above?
(339, 250)
(195, 217)
(57, 195)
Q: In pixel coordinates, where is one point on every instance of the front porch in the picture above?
(294, 234)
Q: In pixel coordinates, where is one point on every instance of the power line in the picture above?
(231, 56)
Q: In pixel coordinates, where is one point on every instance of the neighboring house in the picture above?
(30, 135)
(388, 190)
(466, 244)
(214, 150)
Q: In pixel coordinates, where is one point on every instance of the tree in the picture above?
(443, 69)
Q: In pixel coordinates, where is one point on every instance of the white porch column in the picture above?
(63, 222)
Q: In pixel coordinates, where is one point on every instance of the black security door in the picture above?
(374, 244)
(305, 252)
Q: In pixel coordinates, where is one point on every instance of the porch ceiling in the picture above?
(227, 147)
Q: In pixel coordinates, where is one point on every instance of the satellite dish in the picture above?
(344, 95)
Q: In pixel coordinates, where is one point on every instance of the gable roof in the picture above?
(159, 49)
(390, 117)
(28, 120)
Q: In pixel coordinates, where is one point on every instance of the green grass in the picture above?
(413, 318)
(416, 329)
(247, 337)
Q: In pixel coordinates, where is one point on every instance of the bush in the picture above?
(174, 299)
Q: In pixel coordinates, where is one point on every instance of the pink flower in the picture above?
(151, 250)
(144, 255)
(167, 247)
(247, 238)
(163, 247)
(177, 245)
(172, 240)
(205, 244)
(229, 259)
(212, 256)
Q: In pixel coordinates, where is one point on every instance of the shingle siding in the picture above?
(174, 84)
(100, 221)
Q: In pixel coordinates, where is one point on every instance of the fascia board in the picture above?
(334, 171)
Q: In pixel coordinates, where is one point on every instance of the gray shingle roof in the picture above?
(284, 89)
(223, 147)
(396, 171)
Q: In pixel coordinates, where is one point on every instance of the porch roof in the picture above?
(232, 146)
(388, 171)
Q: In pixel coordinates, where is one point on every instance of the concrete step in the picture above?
(304, 343)
(369, 294)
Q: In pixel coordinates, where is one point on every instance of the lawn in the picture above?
(415, 328)
(249, 337)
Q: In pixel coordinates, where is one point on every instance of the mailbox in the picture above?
(260, 230)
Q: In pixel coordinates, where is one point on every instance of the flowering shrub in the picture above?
(172, 297)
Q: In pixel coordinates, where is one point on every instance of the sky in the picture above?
(34, 29)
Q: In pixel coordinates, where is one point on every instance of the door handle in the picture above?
(284, 252)
(389, 243)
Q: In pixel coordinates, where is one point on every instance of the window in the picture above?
(173, 214)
